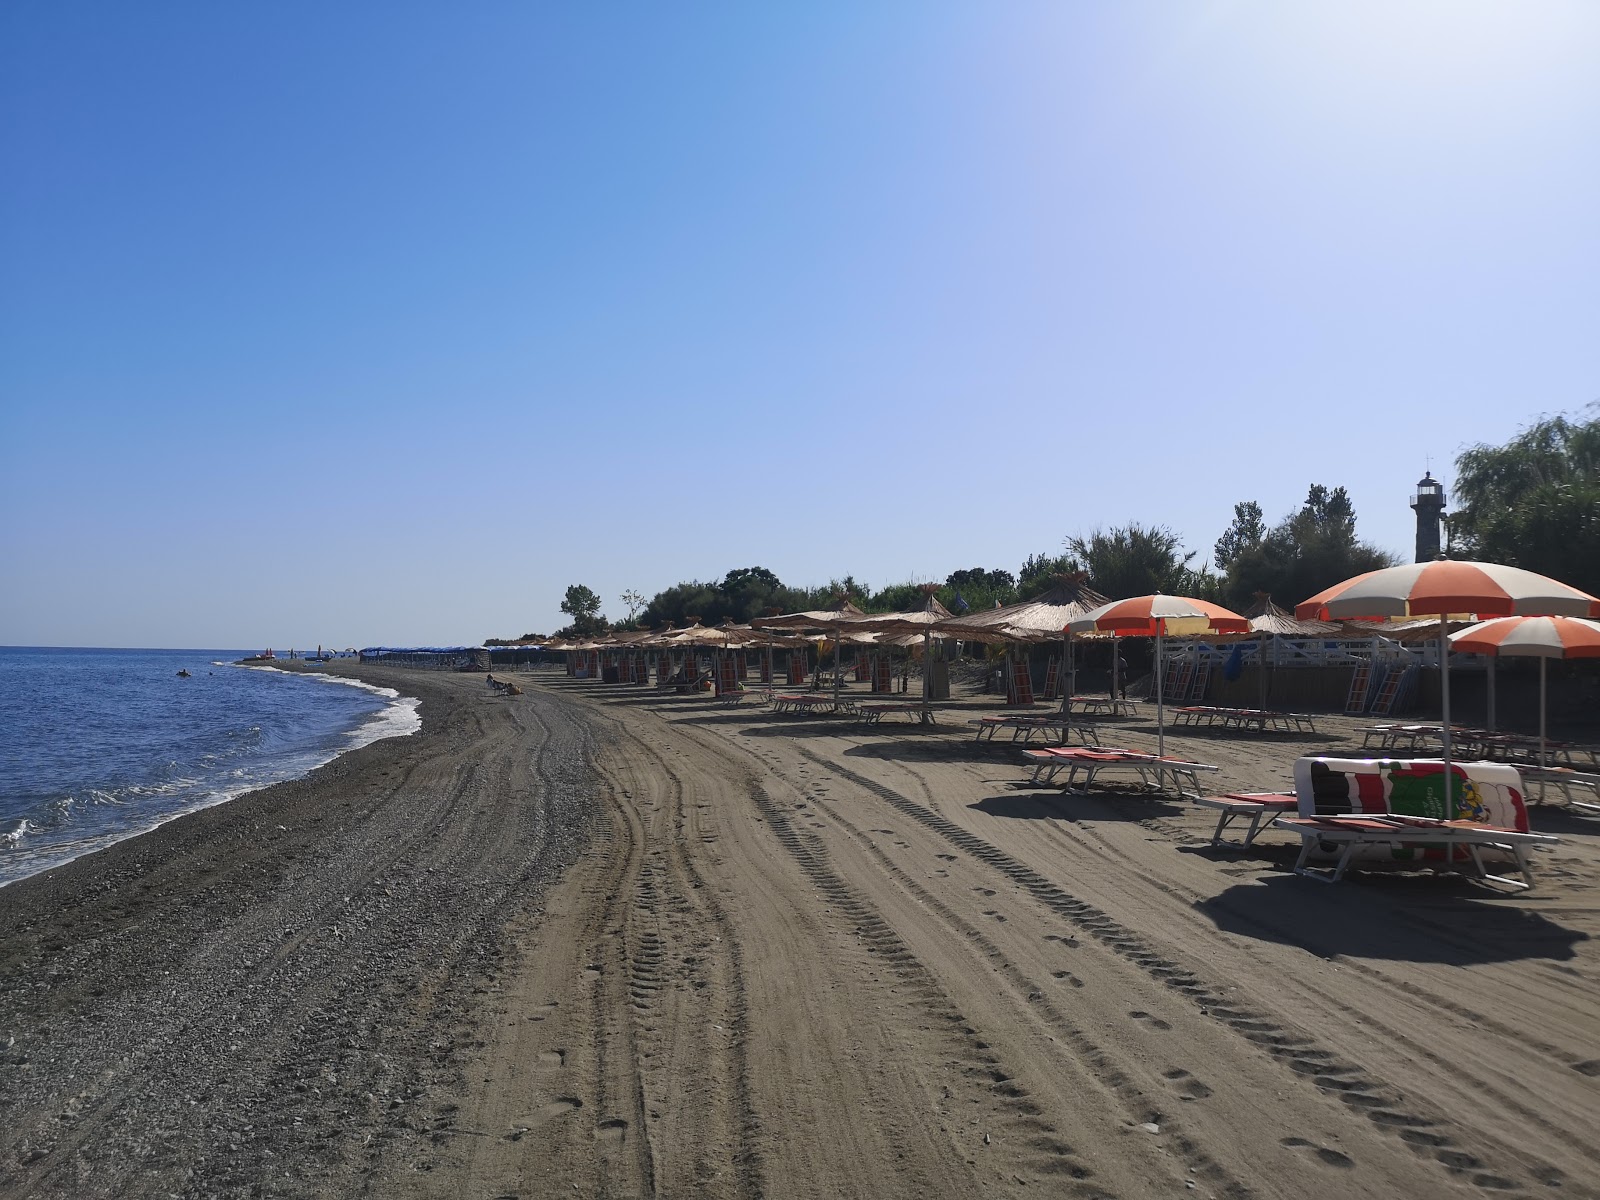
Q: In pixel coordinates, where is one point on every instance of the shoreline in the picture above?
(596, 940)
(397, 718)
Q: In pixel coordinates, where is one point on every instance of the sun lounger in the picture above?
(1024, 729)
(1084, 764)
(873, 714)
(808, 702)
(1103, 704)
(1567, 780)
(1406, 836)
(1259, 807)
(1258, 719)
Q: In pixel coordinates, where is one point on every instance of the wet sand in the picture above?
(595, 941)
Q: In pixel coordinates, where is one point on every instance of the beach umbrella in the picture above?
(1441, 588)
(1043, 618)
(922, 621)
(844, 612)
(1160, 617)
(1543, 638)
(1267, 620)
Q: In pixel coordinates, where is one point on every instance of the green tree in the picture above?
(1534, 502)
(583, 606)
(1136, 561)
(1038, 573)
(1246, 533)
(1312, 548)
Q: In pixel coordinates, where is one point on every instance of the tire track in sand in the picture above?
(1381, 1103)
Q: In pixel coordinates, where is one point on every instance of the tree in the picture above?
(743, 593)
(1312, 548)
(1039, 572)
(583, 606)
(1534, 502)
(1135, 561)
(633, 601)
(1244, 534)
(975, 589)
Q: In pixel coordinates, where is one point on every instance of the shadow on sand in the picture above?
(1410, 918)
(1070, 806)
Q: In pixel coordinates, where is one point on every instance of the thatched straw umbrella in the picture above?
(1267, 620)
(1046, 617)
(844, 612)
(924, 620)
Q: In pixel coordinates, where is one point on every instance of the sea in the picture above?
(101, 745)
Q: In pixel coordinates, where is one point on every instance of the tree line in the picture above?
(1533, 503)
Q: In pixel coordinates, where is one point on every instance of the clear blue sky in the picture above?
(384, 323)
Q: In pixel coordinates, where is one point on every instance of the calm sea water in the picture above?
(99, 745)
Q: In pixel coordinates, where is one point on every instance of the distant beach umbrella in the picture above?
(1160, 617)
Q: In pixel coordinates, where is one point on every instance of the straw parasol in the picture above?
(1267, 620)
(843, 612)
(1443, 587)
(1044, 618)
(932, 615)
(1159, 616)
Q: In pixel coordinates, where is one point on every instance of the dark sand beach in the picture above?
(593, 941)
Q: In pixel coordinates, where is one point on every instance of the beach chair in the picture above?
(1052, 680)
(1567, 781)
(797, 668)
(882, 675)
(1083, 765)
(1377, 805)
(1258, 807)
(873, 714)
(1403, 837)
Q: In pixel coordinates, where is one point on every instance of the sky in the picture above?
(383, 323)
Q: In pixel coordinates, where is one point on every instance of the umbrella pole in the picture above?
(1542, 762)
(838, 662)
(1161, 724)
(1444, 707)
(1114, 657)
(1261, 669)
(1064, 678)
(927, 671)
(1491, 693)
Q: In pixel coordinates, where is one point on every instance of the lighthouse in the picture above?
(1428, 504)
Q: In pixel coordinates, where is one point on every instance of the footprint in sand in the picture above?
(1327, 1157)
(553, 1058)
(1186, 1084)
(983, 891)
(946, 857)
(1154, 1022)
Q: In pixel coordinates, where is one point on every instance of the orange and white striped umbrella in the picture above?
(1150, 616)
(1535, 637)
(1448, 586)
(1159, 616)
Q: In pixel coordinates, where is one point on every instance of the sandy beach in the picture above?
(595, 941)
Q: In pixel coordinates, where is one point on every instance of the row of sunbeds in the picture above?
(1259, 719)
(1479, 743)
